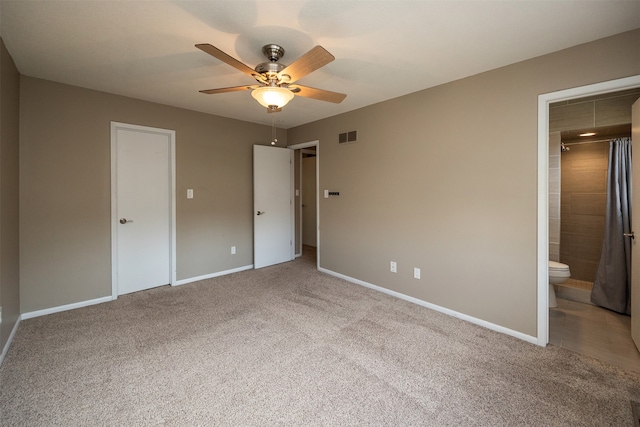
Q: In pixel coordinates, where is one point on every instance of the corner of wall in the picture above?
(9, 198)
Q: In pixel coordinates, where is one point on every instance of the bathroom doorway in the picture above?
(576, 173)
(307, 210)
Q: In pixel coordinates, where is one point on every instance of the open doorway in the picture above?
(307, 209)
(544, 255)
(580, 131)
(308, 186)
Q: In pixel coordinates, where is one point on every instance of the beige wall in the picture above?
(9, 240)
(65, 189)
(446, 180)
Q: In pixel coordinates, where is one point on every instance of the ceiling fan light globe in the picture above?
(268, 96)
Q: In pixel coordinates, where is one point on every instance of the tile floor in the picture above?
(594, 331)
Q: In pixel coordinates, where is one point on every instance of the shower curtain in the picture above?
(612, 287)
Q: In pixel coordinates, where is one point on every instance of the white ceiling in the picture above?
(383, 49)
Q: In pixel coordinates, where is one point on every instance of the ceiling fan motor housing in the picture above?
(270, 67)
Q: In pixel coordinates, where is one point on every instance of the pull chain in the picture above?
(274, 140)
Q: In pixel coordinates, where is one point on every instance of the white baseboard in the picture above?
(212, 275)
(58, 309)
(456, 314)
(8, 343)
(81, 304)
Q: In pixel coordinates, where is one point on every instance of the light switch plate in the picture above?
(189, 193)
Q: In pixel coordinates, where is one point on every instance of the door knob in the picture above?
(261, 213)
(125, 220)
(632, 235)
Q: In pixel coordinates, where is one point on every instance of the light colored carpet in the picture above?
(286, 345)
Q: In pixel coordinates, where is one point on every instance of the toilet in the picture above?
(558, 273)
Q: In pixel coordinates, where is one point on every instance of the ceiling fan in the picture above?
(275, 80)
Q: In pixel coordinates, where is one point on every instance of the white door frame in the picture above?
(114, 199)
(300, 146)
(543, 184)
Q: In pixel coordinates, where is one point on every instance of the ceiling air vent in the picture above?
(345, 137)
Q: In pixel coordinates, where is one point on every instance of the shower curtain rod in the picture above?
(591, 142)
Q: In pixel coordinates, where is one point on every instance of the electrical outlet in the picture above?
(416, 273)
(233, 250)
(394, 267)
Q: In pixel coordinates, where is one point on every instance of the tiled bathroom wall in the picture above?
(577, 177)
(583, 188)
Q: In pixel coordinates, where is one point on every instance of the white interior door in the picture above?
(142, 210)
(273, 205)
(635, 223)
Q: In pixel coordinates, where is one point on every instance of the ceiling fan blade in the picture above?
(228, 89)
(320, 94)
(310, 61)
(217, 53)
